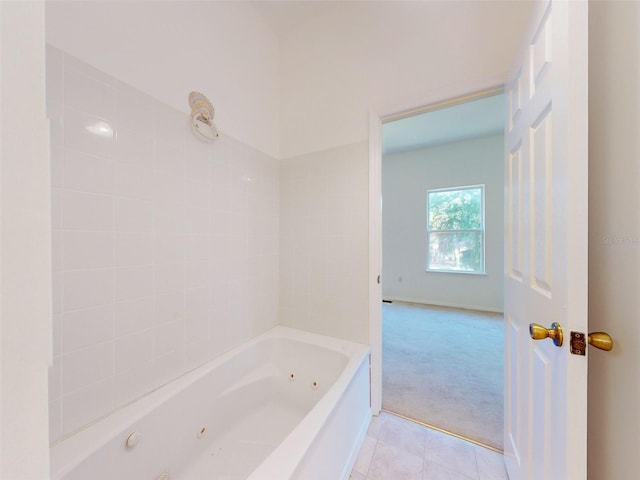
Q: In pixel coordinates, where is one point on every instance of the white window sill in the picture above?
(457, 272)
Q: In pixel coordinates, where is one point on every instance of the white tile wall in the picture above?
(165, 249)
(324, 243)
(87, 327)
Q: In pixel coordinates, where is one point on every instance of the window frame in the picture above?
(481, 230)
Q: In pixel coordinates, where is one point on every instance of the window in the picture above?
(455, 229)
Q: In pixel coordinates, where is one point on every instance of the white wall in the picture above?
(406, 177)
(323, 238)
(167, 49)
(383, 57)
(25, 256)
(388, 57)
(165, 248)
(614, 237)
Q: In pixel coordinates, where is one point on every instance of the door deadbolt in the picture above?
(599, 340)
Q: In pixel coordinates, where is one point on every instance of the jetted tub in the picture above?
(286, 405)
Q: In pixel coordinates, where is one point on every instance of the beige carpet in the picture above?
(444, 367)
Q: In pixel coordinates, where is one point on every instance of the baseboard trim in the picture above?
(446, 432)
(445, 304)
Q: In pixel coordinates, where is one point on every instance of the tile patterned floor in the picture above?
(397, 449)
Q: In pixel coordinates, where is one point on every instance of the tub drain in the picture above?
(292, 377)
(314, 385)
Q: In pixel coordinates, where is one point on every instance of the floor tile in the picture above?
(438, 472)
(366, 454)
(390, 462)
(404, 434)
(398, 449)
(490, 465)
(451, 453)
(376, 424)
(357, 476)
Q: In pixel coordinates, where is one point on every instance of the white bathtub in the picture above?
(286, 405)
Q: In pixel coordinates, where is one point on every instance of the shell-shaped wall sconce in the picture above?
(202, 113)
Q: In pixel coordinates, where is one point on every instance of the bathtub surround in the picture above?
(323, 234)
(165, 248)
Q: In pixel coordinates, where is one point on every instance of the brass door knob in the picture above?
(601, 340)
(538, 332)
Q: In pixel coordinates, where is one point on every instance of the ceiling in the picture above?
(282, 16)
(460, 122)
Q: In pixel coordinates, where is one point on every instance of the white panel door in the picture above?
(546, 168)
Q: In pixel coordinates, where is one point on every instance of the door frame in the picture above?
(376, 121)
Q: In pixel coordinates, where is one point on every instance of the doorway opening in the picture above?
(442, 184)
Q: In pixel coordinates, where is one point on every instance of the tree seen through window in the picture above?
(455, 229)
